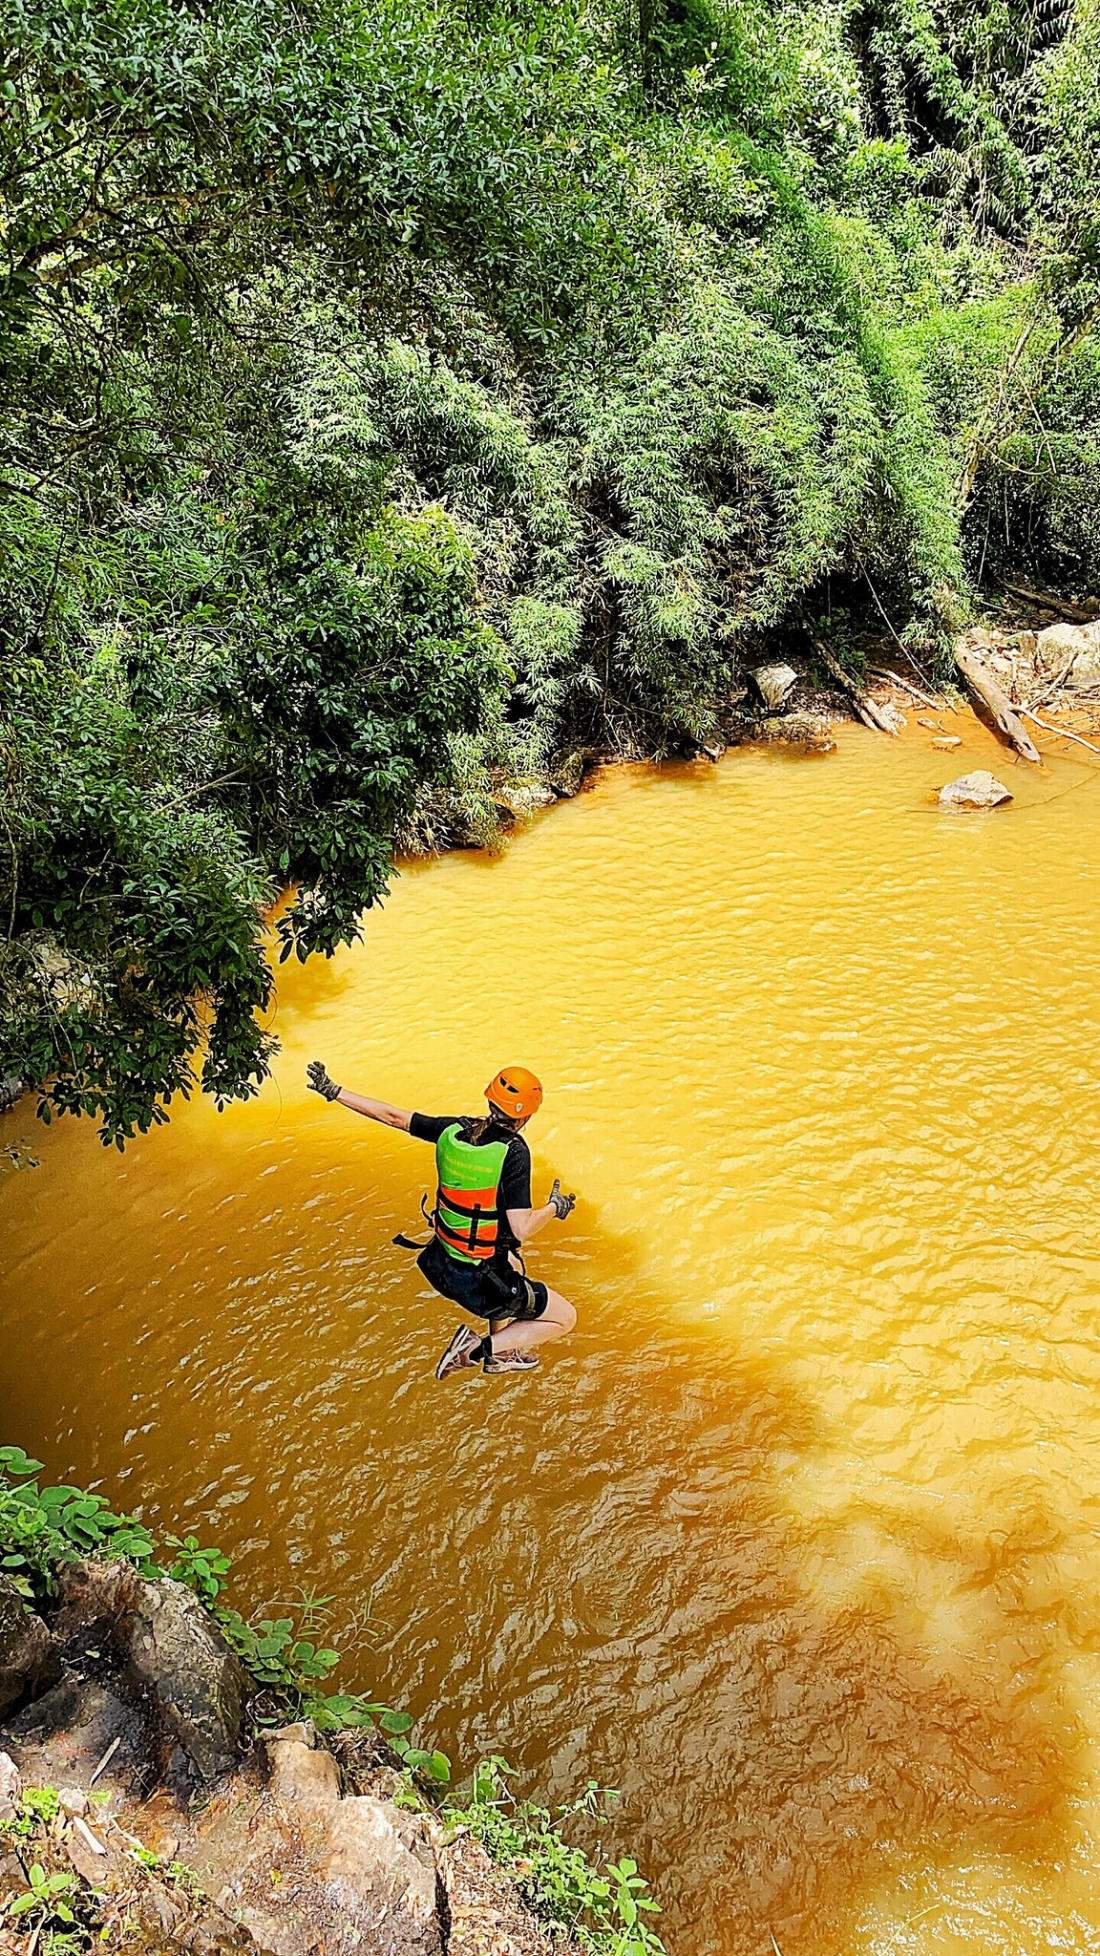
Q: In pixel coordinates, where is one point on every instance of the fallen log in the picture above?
(868, 712)
(996, 702)
(1078, 614)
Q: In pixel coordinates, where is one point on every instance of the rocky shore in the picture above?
(797, 699)
(141, 1808)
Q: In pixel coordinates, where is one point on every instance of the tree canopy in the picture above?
(398, 391)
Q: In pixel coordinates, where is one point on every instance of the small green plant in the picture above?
(274, 1654)
(407, 1795)
(43, 1526)
(604, 1908)
(202, 1569)
(47, 1895)
(183, 1877)
(38, 1807)
(177, 1872)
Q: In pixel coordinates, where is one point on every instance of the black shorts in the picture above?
(488, 1290)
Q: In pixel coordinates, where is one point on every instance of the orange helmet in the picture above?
(515, 1092)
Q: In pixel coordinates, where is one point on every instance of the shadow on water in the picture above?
(794, 1752)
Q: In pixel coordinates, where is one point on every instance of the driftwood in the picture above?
(90, 1840)
(996, 702)
(906, 685)
(869, 713)
(1048, 692)
(1062, 732)
(106, 1759)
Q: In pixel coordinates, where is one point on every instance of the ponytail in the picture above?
(476, 1127)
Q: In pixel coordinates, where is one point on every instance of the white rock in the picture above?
(304, 1730)
(1075, 646)
(947, 740)
(301, 1775)
(11, 1787)
(775, 684)
(977, 790)
(380, 1860)
(72, 1800)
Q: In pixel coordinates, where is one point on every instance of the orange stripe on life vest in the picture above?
(482, 1248)
(483, 1199)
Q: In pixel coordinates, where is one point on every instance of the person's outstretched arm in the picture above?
(374, 1110)
(525, 1223)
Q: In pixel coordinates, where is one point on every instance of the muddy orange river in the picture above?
(795, 1542)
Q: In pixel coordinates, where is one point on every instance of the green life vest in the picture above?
(467, 1212)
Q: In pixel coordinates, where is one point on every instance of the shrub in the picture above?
(605, 1907)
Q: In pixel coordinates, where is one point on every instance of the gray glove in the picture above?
(563, 1205)
(320, 1082)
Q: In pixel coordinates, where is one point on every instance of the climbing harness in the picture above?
(410, 1242)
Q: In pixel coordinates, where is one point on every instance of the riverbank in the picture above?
(798, 698)
(174, 1778)
(1049, 671)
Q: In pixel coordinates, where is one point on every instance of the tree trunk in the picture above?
(996, 702)
(868, 712)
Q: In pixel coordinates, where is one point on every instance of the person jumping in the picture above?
(482, 1216)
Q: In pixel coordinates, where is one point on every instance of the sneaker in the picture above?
(456, 1358)
(511, 1362)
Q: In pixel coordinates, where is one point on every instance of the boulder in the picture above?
(169, 1644)
(379, 1866)
(775, 684)
(517, 801)
(353, 1877)
(977, 790)
(810, 732)
(298, 1771)
(303, 1729)
(567, 778)
(1076, 647)
(29, 1659)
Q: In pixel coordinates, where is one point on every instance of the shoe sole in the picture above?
(445, 1367)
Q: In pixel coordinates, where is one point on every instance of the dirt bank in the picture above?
(140, 1806)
